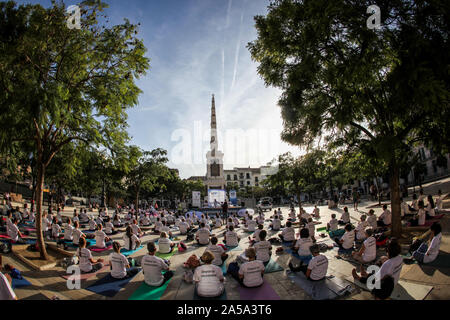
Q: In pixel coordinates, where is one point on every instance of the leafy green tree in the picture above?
(61, 85)
(147, 172)
(387, 88)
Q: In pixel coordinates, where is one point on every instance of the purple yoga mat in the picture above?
(95, 249)
(265, 292)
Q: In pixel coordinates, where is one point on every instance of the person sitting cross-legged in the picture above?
(202, 235)
(208, 278)
(368, 251)
(316, 269)
(120, 265)
(218, 251)
(153, 268)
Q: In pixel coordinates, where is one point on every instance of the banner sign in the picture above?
(216, 198)
(233, 197)
(196, 199)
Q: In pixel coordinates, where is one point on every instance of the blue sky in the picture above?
(197, 48)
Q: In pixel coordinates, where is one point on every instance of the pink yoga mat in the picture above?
(5, 236)
(265, 292)
(86, 276)
(95, 249)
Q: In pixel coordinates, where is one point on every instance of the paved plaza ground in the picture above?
(46, 284)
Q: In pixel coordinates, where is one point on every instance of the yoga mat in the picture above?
(166, 255)
(95, 249)
(86, 276)
(233, 248)
(108, 286)
(19, 283)
(336, 233)
(146, 292)
(317, 290)
(264, 292)
(27, 241)
(402, 291)
(441, 261)
(127, 253)
(224, 268)
(296, 255)
(272, 266)
(223, 296)
(321, 229)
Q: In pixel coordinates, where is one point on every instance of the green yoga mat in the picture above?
(272, 266)
(146, 292)
(321, 229)
(166, 255)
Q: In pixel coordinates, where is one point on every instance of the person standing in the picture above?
(225, 211)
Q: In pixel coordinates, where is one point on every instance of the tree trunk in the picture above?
(39, 201)
(299, 200)
(395, 199)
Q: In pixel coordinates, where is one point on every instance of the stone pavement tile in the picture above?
(428, 275)
(439, 292)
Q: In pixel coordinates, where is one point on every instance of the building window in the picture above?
(248, 183)
(235, 177)
(242, 183)
(256, 179)
(248, 175)
(228, 177)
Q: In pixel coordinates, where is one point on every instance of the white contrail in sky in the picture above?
(238, 48)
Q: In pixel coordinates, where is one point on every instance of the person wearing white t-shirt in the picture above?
(288, 233)
(101, 239)
(316, 212)
(347, 240)
(420, 217)
(68, 230)
(86, 262)
(109, 228)
(345, 217)
(250, 273)
(385, 219)
(219, 253)
(166, 229)
(6, 290)
(333, 225)
(59, 215)
(263, 248)
(183, 226)
(202, 235)
(372, 219)
(56, 229)
(302, 246)
(158, 225)
(131, 241)
(439, 200)
(292, 214)
(316, 269)
(251, 225)
(390, 266)
(421, 195)
(77, 234)
(14, 232)
(92, 224)
(368, 251)
(430, 208)
(120, 266)
(164, 243)
(312, 229)
(236, 221)
(428, 251)
(361, 228)
(231, 238)
(404, 209)
(208, 278)
(153, 267)
(256, 235)
(276, 223)
(217, 222)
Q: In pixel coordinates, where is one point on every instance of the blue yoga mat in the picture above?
(224, 268)
(89, 242)
(296, 255)
(127, 253)
(19, 283)
(109, 286)
(272, 266)
(233, 248)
